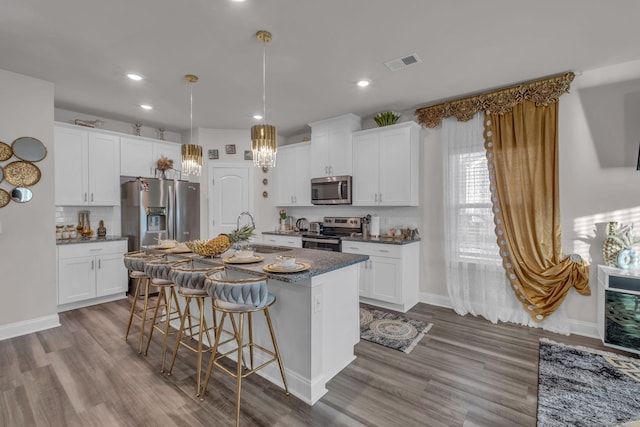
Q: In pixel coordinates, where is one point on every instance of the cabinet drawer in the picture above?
(372, 249)
(292, 241)
(88, 249)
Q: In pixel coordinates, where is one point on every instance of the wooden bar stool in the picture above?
(160, 274)
(237, 299)
(190, 283)
(134, 262)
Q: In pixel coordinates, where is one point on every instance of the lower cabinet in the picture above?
(91, 273)
(389, 278)
(282, 240)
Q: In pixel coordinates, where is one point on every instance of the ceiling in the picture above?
(319, 50)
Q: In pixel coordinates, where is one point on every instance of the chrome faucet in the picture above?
(253, 224)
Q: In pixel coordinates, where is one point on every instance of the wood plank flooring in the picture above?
(465, 372)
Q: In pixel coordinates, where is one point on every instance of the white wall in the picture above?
(67, 116)
(27, 237)
(597, 135)
(263, 208)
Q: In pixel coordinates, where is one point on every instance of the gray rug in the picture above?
(391, 330)
(579, 386)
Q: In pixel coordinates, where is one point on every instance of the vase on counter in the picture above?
(102, 230)
(283, 225)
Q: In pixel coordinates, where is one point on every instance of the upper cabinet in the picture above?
(87, 167)
(385, 165)
(293, 181)
(139, 156)
(331, 148)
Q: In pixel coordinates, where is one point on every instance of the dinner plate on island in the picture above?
(278, 268)
(243, 260)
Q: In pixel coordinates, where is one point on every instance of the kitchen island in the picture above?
(316, 314)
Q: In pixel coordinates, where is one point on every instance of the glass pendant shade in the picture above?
(264, 145)
(191, 159)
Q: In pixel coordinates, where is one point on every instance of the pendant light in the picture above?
(191, 153)
(264, 138)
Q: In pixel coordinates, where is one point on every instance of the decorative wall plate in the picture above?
(5, 152)
(4, 198)
(22, 174)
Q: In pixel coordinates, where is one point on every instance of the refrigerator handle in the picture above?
(171, 223)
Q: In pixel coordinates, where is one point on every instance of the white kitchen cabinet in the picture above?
(331, 145)
(282, 240)
(91, 273)
(139, 156)
(389, 278)
(385, 166)
(293, 180)
(87, 165)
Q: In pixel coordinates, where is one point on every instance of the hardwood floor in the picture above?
(465, 372)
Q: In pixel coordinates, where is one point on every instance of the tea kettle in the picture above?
(302, 224)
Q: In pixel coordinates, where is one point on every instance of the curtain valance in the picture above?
(542, 92)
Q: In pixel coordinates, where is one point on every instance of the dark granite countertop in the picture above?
(92, 239)
(359, 238)
(383, 240)
(320, 262)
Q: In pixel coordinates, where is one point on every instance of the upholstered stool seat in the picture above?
(190, 283)
(237, 298)
(160, 274)
(134, 262)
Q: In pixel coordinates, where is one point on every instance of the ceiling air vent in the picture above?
(404, 62)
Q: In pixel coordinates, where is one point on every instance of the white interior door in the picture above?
(230, 193)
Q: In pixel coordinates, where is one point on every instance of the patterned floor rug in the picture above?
(391, 330)
(579, 386)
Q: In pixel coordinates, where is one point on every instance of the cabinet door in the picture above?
(364, 281)
(104, 167)
(319, 153)
(366, 158)
(285, 177)
(386, 279)
(71, 172)
(76, 279)
(111, 275)
(395, 167)
(136, 157)
(340, 152)
(302, 177)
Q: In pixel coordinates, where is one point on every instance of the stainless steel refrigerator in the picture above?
(153, 209)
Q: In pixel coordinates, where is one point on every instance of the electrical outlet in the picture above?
(317, 303)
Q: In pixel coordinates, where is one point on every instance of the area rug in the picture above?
(391, 330)
(580, 386)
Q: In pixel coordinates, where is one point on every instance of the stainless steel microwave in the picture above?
(331, 190)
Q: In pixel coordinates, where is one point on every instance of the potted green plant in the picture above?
(386, 118)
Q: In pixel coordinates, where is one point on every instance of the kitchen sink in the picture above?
(266, 249)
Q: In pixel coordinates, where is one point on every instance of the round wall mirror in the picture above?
(29, 149)
(1, 174)
(21, 195)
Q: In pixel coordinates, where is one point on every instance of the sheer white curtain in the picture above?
(476, 280)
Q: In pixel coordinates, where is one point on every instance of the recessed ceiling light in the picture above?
(363, 83)
(257, 116)
(134, 76)
(238, 1)
(146, 107)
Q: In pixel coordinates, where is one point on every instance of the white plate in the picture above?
(234, 260)
(277, 268)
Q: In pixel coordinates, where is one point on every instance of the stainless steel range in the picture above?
(330, 236)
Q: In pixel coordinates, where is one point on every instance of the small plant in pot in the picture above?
(386, 118)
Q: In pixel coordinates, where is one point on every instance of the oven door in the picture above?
(323, 244)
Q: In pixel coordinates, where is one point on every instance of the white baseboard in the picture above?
(92, 301)
(29, 326)
(577, 327)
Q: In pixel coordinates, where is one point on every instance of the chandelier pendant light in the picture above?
(264, 137)
(191, 153)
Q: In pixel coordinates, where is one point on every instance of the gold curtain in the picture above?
(522, 152)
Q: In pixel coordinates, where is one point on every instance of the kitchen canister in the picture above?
(374, 229)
